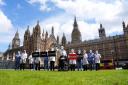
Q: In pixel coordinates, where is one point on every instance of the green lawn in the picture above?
(103, 77)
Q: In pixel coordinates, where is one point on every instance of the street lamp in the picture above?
(112, 53)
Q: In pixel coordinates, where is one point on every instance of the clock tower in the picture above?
(16, 41)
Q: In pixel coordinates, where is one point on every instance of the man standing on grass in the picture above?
(91, 61)
(97, 60)
(79, 60)
(52, 61)
(46, 66)
(17, 61)
(37, 61)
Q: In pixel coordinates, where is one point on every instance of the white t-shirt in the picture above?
(37, 60)
(23, 58)
(97, 58)
(30, 59)
(52, 58)
(63, 52)
(85, 59)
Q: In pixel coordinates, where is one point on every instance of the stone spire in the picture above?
(63, 41)
(76, 34)
(123, 24)
(102, 33)
(75, 22)
(38, 29)
(43, 34)
(57, 39)
(46, 35)
(52, 30)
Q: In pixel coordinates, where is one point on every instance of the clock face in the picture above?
(17, 42)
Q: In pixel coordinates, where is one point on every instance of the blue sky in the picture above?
(18, 14)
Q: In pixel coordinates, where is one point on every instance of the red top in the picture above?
(72, 56)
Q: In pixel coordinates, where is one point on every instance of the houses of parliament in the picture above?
(109, 47)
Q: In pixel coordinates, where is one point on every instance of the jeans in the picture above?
(79, 65)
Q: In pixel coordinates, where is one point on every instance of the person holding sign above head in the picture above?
(72, 60)
(37, 60)
(52, 60)
(46, 59)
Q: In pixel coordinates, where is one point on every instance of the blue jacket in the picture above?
(91, 57)
(17, 58)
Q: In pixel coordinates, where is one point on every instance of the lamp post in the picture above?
(112, 53)
(115, 52)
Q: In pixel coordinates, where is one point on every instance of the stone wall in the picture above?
(6, 64)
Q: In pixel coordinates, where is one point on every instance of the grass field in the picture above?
(103, 77)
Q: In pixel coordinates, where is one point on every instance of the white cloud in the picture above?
(6, 30)
(1, 2)
(110, 13)
(43, 4)
(5, 23)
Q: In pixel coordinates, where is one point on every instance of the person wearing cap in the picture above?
(72, 60)
(97, 60)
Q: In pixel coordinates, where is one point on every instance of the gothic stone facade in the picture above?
(109, 47)
(112, 47)
(32, 42)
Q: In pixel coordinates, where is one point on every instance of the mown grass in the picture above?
(103, 77)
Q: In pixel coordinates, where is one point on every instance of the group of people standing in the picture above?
(84, 61)
(74, 60)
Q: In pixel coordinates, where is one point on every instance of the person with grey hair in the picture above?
(97, 60)
(85, 61)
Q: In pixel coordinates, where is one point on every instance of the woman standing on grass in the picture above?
(85, 61)
(30, 62)
(97, 60)
(23, 60)
(72, 60)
